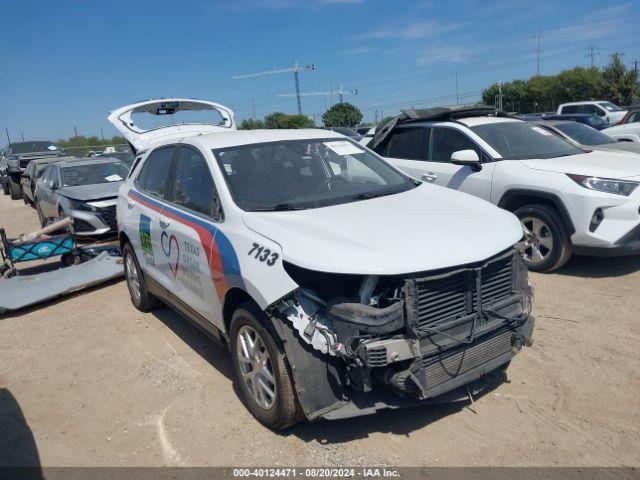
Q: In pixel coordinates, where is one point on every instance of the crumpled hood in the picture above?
(598, 163)
(91, 192)
(426, 228)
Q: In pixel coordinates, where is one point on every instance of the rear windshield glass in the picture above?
(150, 121)
(297, 174)
(520, 140)
(610, 106)
(92, 174)
(584, 134)
(29, 147)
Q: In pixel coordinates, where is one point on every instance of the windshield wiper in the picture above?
(280, 207)
(368, 195)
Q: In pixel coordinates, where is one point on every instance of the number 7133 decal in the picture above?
(263, 254)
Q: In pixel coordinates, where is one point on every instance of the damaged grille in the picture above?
(108, 214)
(441, 368)
(450, 295)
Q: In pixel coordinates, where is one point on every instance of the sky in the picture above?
(67, 63)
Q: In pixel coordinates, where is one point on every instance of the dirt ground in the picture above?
(97, 383)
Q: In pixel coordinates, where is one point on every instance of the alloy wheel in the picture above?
(538, 240)
(255, 367)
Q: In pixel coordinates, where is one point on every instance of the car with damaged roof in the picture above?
(340, 285)
(32, 174)
(569, 200)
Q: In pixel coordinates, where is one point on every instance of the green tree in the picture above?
(342, 115)
(251, 124)
(282, 120)
(619, 85)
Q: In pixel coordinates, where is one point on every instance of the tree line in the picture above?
(614, 83)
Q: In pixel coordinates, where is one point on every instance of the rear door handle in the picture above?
(429, 177)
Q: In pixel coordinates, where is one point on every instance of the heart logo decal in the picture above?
(171, 246)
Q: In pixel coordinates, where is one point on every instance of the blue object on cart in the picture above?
(42, 249)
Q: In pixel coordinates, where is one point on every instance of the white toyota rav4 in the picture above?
(568, 199)
(340, 285)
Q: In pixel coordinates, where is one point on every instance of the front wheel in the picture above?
(546, 244)
(41, 217)
(261, 370)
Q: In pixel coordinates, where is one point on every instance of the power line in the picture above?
(296, 69)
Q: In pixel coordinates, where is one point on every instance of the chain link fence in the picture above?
(93, 150)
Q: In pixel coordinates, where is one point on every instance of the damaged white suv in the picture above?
(340, 285)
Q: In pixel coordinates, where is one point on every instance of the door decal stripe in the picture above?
(221, 256)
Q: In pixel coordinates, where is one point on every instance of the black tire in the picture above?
(5, 188)
(285, 410)
(14, 189)
(144, 301)
(553, 231)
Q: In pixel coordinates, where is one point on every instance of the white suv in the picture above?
(340, 284)
(568, 199)
(611, 112)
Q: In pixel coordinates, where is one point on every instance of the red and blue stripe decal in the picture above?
(221, 256)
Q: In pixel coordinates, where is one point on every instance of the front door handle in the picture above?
(164, 223)
(429, 177)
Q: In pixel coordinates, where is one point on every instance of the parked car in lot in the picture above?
(610, 112)
(32, 174)
(340, 285)
(628, 129)
(588, 119)
(586, 137)
(17, 156)
(83, 189)
(568, 199)
(125, 157)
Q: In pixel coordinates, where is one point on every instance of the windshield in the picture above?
(297, 174)
(93, 173)
(596, 120)
(584, 134)
(29, 147)
(610, 106)
(519, 140)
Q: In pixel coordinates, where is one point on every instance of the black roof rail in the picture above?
(442, 114)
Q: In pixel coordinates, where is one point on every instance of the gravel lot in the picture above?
(100, 384)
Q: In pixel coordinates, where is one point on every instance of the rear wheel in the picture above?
(262, 371)
(546, 244)
(140, 296)
(14, 189)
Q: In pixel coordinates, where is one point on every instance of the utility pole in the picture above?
(297, 68)
(75, 131)
(253, 108)
(22, 136)
(539, 51)
(500, 95)
(593, 50)
(101, 133)
(8, 137)
(457, 95)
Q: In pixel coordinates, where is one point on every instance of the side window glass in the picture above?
(193, 186)
(445, 141)
(570, 109)
(409, 143)
(154, 177)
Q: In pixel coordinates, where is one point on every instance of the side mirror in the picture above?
(467, 158)
(51, 184)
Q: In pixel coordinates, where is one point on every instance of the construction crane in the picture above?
(340, 93)
(296, 69)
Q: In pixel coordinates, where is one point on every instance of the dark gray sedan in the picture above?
(583, 136)
(84, 190)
